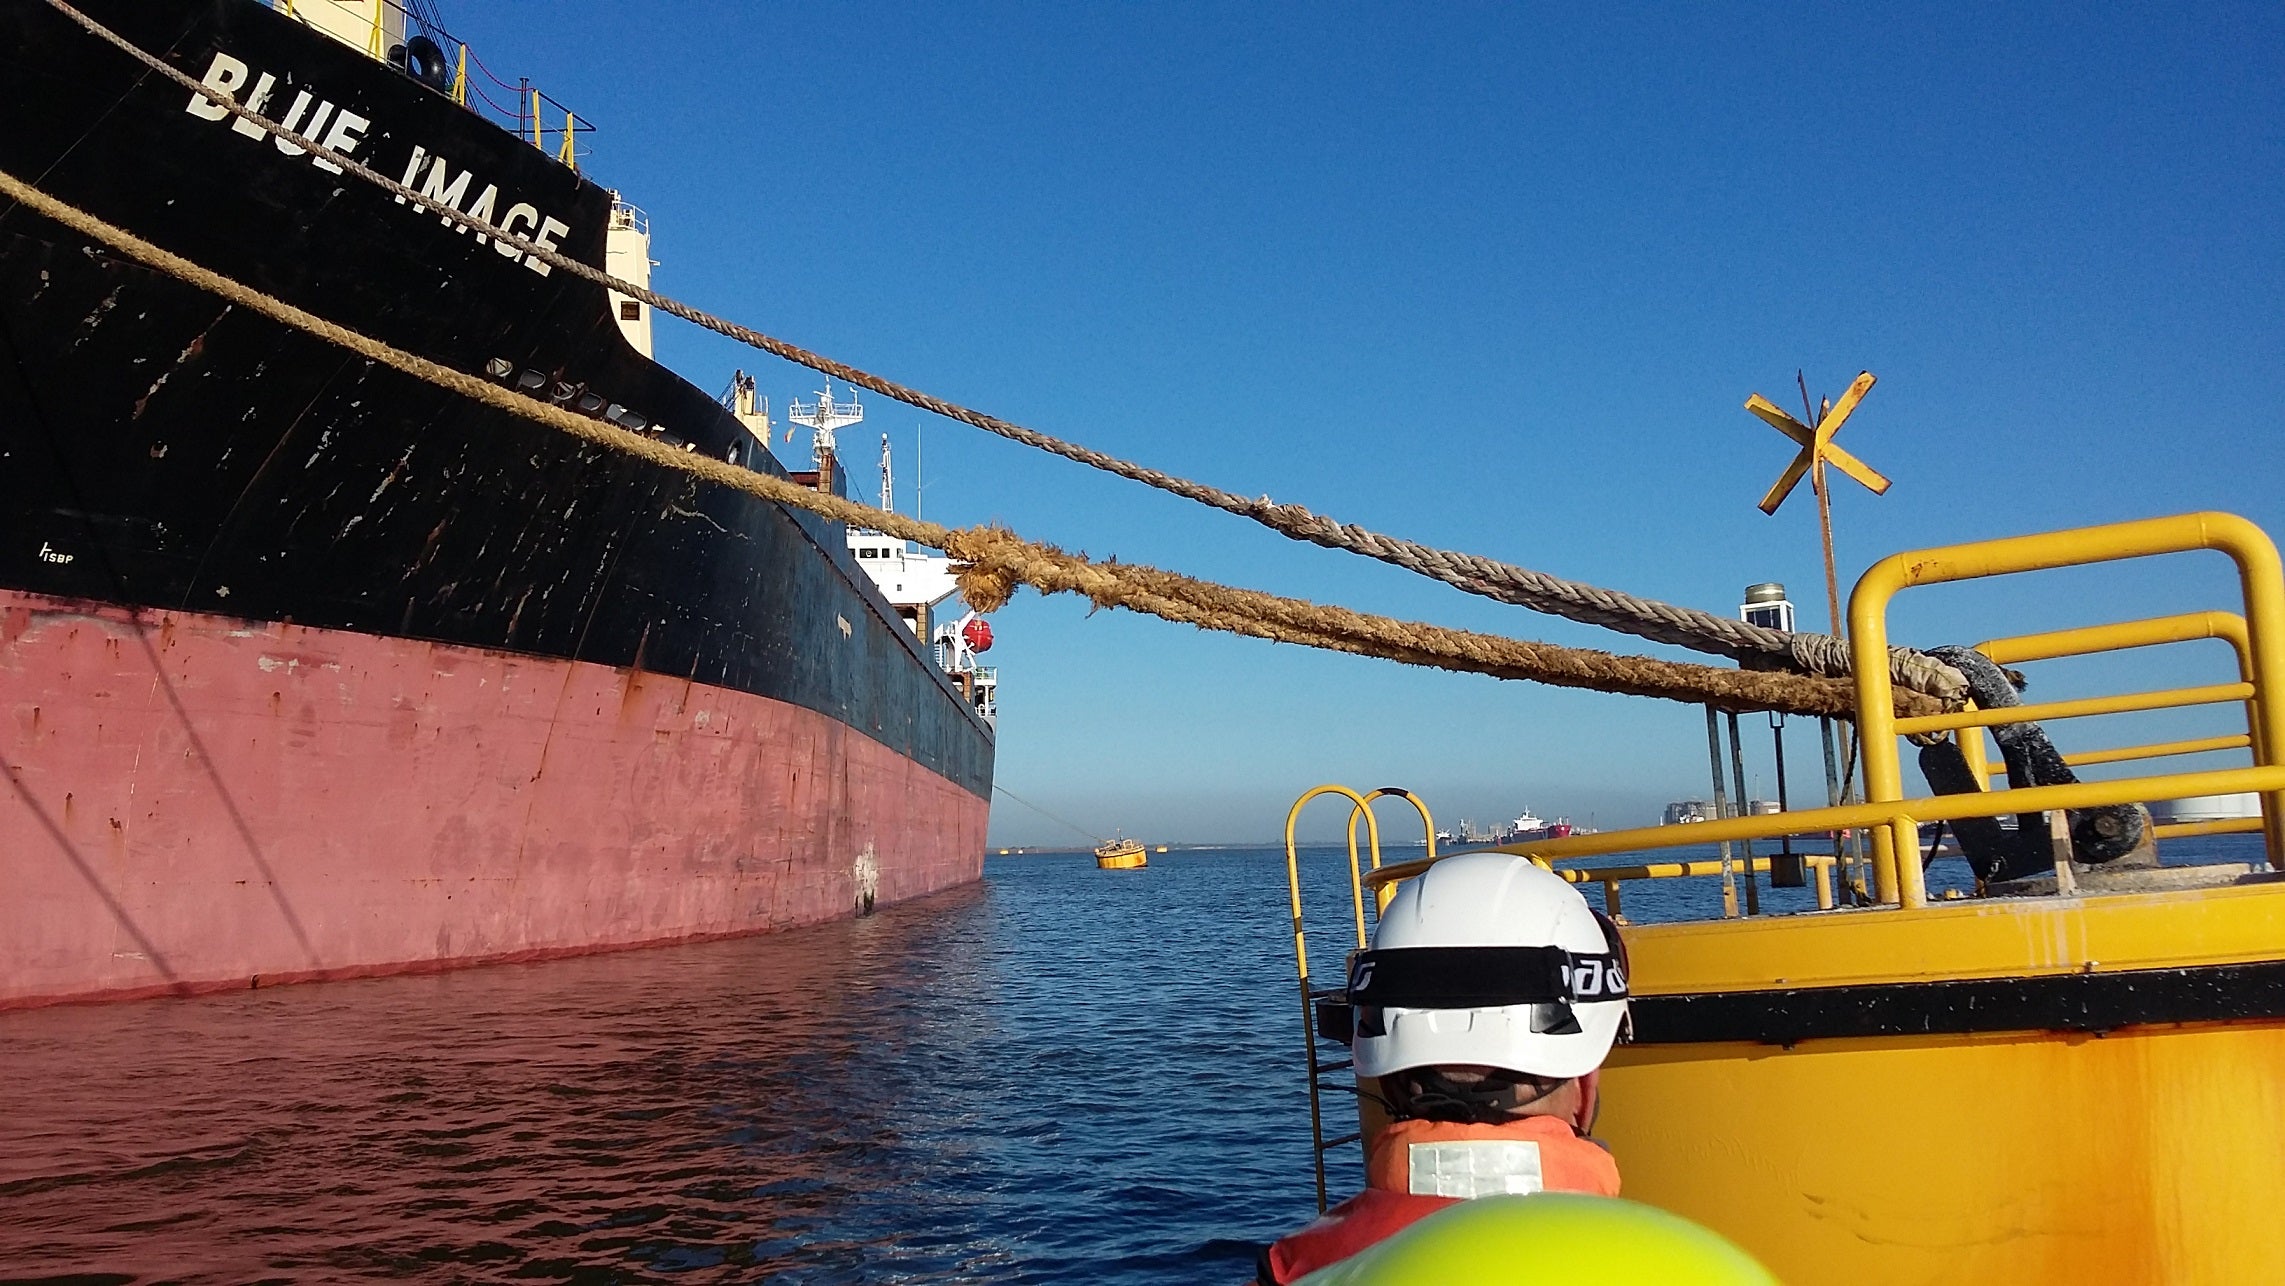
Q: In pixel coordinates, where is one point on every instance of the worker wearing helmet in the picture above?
(1485, 1008)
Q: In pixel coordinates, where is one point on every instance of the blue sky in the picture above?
(1492, 277)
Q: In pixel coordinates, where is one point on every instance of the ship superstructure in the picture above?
(915, 581)
(1524, 825)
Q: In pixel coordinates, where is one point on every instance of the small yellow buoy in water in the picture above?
(1549, 1239)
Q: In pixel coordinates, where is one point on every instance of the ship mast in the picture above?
(823, 416)
(888, 490)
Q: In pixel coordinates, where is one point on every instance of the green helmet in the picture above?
(1548, 1239)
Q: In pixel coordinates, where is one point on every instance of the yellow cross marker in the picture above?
(1817, 445)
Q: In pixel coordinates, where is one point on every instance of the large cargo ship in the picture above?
(309, 669)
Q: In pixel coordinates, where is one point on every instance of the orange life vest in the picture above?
(1564, 1162)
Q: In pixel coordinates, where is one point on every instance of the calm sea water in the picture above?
(1058, 1075)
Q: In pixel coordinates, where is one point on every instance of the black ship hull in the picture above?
(171, 463)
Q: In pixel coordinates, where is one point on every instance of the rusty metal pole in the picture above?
(1714, 754)
(1737, 768)
(1841, 731)
(1834, 620)
(1847, 873)
(1825, 537)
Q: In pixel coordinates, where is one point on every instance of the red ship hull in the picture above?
(196, 802)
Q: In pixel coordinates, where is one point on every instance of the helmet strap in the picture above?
(1590, 1103)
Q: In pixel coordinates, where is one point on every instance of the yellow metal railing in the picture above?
(1360, 809)
(1907, 814)
(2117, 703)
(2262, 666)
(1610, 877)
(2185, 627)
(2155, 750)
(356, 30)
(2258, 638)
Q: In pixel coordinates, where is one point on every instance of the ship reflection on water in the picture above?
(1031, 1079)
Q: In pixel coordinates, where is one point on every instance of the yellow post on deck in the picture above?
(1360, 806)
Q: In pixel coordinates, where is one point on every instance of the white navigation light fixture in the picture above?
(823, 416)
(888, 487)
(1766, 606)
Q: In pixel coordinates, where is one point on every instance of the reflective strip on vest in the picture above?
(1440, 1158)
(1560, 1161)
(1475, 1168)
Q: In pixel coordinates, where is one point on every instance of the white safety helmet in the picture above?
(1487, 959)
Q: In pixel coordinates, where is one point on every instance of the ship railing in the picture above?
(534, 112)
(1611, 877)
(2257, 636)
(1903, 816)
(627, 215)
(2261, 667)
(1360, 810)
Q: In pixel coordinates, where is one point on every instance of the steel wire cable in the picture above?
(479, 90)
(478, 59)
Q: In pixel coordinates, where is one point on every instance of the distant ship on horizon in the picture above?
(1523, 827)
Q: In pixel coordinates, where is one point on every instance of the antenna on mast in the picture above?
(888, 489)
(823, 416)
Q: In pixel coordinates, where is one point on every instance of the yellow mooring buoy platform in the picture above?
(2073, 1079)
(1121, 855)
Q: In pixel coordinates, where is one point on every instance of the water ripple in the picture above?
(1057, 1076)
(1061, 1075)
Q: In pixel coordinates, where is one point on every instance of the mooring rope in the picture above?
(1687, 627)
(994, 561)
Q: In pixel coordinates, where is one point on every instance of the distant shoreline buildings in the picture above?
(1682, 811)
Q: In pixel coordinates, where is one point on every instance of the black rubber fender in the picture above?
(425, 62)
